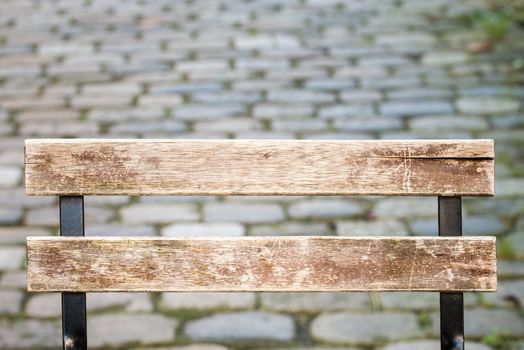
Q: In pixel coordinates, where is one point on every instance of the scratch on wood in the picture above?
(406, 179)
(413, 265)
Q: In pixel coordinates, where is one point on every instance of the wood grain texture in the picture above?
(244, 167)
(261, 264)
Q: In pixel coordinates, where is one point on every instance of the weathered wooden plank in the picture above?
(262, 264)
(243, 167)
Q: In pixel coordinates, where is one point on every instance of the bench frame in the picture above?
(74, 317)
(72, 169)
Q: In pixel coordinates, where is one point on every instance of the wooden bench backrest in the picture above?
(186, 167)
(227, 167)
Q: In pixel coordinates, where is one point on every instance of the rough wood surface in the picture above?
(262, 264)
(243, 167)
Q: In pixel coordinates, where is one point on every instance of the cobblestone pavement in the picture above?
(281, 69)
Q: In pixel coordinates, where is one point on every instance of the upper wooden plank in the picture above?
(249, 167)
(261, 264)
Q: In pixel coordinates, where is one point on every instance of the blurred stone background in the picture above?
(259, 69)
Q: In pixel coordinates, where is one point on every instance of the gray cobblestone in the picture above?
(146, 213)
(227, 97)
(385, 227)
(329, 84)
(509, 187)
(324, 208)
(300, 96)
(314, 302)
(44, 305)
(413, 38)
(10, 302)
(346, 111)
(360, 96)
(9, 176)
(282, 111)
(346, 328)
(510, 269)
(119, 230)
(202, 65)
(304, 125)
(249, 213)
(119, 329)
(487, 105)
(449, 123)
(420, 92)
(266, 42)
(368, 124)
(291, 229)
(60, 129)
(208, 300)
(508, 293)
(142, 113)
(242, 326)
(133, 302)
(127, 89)
(30, 334)
(265, 135)
(507, 121)
(516, 241)
(14, 280)
(339, 136)
(11, 258)
(390, 60)
(406, 207)
(9, 216)
(470, 226)
(227, 125)
(492, 90)
(479, 322)
(197, 346)
(411, 301)
(429, 345)
(444, 58)
(141, 128)
(407, 108)
(170, 100)
(391, 82)
(261, 64)
(18, 234)
(104, 101)
(204, 230)
(12, 158)
(208, 112)
(181, 88)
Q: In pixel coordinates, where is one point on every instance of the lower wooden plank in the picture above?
(261, 264)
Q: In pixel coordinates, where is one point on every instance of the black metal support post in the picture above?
(73, 304)
(451, 304)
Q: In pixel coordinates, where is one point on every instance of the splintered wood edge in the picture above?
(253, 167)
(106, 264)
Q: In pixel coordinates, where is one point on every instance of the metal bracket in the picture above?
(451, 304)
(73, 304)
